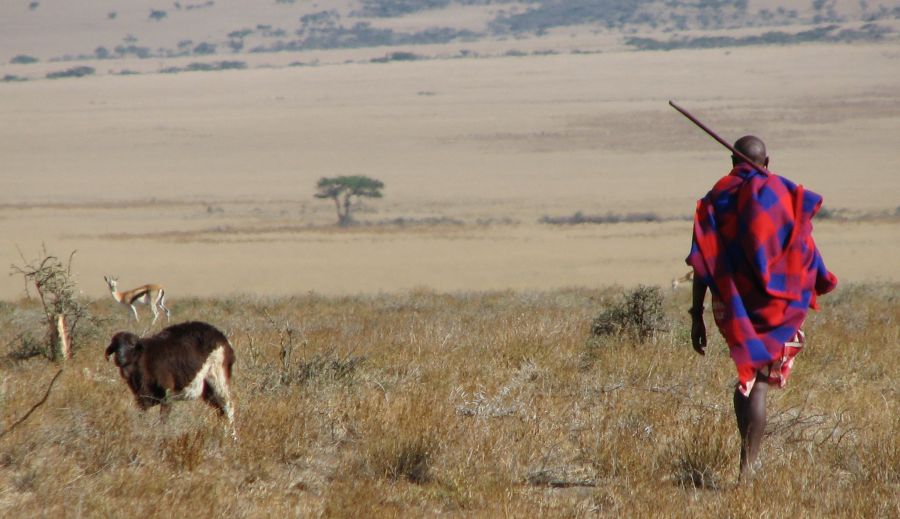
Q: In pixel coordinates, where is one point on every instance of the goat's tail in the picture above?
(228, 359)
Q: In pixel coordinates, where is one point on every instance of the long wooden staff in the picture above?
(722, 141)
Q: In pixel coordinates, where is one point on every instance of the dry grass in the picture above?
(470, 404)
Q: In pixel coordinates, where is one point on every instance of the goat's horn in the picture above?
(109, 351)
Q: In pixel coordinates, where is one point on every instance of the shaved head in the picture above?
(753, 147)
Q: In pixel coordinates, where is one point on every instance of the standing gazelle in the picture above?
(153, 296)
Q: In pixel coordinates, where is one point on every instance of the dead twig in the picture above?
(798, 424)
(559, 478)
(35, 406)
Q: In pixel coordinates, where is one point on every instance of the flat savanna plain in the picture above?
(446, 366)
(488, 404)
(204, 181)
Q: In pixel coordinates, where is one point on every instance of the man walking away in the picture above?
(753, 248)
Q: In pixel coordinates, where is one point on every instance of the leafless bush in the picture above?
(24, 346)
(327, 365)
(79, 71)
(799, 424)
(56, 290)
(559, 478)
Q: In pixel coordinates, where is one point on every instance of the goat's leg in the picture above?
(213, 398)
(216, 394)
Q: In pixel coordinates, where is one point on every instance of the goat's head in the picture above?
(127, 351)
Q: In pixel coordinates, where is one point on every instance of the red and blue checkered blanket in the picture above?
(753, 247)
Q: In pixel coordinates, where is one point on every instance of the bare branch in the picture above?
(35, 406)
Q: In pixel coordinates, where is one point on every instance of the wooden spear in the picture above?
(722, 141)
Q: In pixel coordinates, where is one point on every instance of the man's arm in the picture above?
(698, 327)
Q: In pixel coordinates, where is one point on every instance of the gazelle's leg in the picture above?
(162, 304)
(155, 314)
(134, 312)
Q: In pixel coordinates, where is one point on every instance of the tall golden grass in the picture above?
(461, 405)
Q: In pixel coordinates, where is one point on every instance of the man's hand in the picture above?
(698, 334)
(698, 328)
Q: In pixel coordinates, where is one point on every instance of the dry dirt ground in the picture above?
(204, 181)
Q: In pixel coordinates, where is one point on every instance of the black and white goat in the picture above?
(182, 362)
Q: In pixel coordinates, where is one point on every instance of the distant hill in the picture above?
(41, 31)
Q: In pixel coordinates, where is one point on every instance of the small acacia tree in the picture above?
(343, 189)
(63, 310)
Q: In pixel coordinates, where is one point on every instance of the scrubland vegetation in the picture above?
(825, 33)
(307, 26)
(525, 404)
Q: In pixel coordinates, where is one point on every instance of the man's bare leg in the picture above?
(751, 420)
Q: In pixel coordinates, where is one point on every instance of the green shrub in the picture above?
(205, 67)
(579, 218)
(23, 59)
(394, 8)
(205, 48)
(397, 56)
(71, 72)
(639, 315)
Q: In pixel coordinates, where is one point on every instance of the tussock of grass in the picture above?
(403, 456)
(473, 404)
(399, 437)
(701, 453)
(185, 451)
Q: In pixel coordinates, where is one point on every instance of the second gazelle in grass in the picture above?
(151, 295)
(689, 277)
